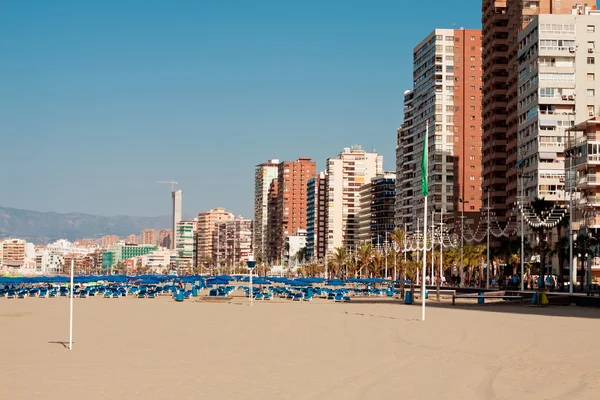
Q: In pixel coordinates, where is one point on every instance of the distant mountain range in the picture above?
(45, 227)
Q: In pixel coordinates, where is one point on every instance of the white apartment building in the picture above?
(63, 247)
(185, 238)
(49, 261)
(177, 196)
(345, 175)
(264, 174)
(294, 243)
(559, 86)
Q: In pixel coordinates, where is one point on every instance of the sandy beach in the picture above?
(367, 349)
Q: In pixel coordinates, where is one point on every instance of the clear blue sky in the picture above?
(100, 99)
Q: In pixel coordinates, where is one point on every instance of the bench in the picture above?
(593, 292)
(485, 296)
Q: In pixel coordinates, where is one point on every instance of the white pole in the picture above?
(522, 229)
(432, 245)
(570, 211)
(251, 297)
(71, 307)
(424, 260)
(441, 242)
(487, 273)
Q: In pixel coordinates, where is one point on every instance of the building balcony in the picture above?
(588, 180)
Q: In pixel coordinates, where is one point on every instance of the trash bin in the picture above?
(480, 300)
(408, 299)
(179, 296)
(195, 291)
(426, 294)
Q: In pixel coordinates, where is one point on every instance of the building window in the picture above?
(591, 110)
(471, 178)
(473, 97)
(472, 38)
(591, 61)
(472, 108)
(472, 68)
(472, 158)
(591, 28)
(591, 92)
(591, 77)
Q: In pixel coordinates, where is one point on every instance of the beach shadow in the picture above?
(64, 344)
(498, 307)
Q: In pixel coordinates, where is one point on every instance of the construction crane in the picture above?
(172, 183)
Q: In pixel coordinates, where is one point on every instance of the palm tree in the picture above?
(399, 239)
(337, 261)
(542, 209)
(365, 252)
(300, 255)
(583, 246)
(376, 264)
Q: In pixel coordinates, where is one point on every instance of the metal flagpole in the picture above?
(423, 288)
(71, 306)
(424, 190)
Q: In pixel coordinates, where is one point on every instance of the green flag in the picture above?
(424, 180)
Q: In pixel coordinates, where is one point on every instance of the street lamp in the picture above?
(251, 264)
(487, 272)
(522, 175)
(462, 237)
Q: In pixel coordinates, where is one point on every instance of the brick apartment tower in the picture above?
(502, 21)
(290, 214)
(447, 95)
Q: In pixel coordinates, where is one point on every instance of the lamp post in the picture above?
(487, 272)
(251, 264)
(462, 238)
(569, 154)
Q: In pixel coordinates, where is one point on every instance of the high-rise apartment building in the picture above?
(346, 173)
(446, 98)
(232, 243)
(205, 228)
(376, 216)
(316, 217)
(165, 238)
(584, 146)
(502, 21)
(177, 196)
(290, 215)
(557, 88)
(109, 240)
(263, 176)
(184, 237)
(271, 256)
(13, 253)
(149, 236)
(132, 239)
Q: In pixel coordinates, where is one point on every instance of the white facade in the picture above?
(177, 210)
(263, 177)
(559, 86)
(185, 240)
(49, 261)
(294, 244)
(345, 175)
(63, 247)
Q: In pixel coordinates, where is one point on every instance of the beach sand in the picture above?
(367, 349)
